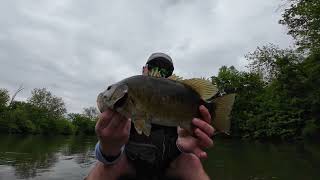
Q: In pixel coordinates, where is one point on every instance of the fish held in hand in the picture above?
(168, 102)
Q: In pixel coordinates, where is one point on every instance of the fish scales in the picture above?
(150, 100)
(169, 103)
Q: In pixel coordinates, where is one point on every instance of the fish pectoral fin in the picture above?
(142, 126)
(147, 129)
(139, 125)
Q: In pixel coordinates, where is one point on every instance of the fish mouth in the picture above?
(100, 103)
(121, 101)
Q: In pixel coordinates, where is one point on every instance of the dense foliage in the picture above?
(43, 113)
(279, 98)
(303, 20)
(284, 107)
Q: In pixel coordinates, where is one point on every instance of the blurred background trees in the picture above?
(279, 98)
(43, 113)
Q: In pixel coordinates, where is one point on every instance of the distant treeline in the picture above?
(43, 113)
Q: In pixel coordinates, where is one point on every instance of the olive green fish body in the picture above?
(149, 100)
(161, 101)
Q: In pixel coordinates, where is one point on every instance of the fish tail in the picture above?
(220, 109)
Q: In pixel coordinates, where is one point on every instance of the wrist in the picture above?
(110, 150)
(111, 158)
(108, 159)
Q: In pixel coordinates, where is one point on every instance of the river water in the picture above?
(71, 157)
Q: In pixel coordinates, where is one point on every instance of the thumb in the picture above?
(200, 153)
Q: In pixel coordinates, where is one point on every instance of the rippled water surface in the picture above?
(66, 157)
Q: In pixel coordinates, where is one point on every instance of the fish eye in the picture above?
(109, 88)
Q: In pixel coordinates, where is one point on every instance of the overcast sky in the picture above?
(75, 48)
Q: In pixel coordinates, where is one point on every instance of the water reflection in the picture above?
(31, 155)
(71, 157)
(263, 161)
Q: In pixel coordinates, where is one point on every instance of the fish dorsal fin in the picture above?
(175, 77)
(203, 87)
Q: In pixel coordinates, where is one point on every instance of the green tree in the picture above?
(5, 124)
(91, 112)
(303, 21)
(264, 60)
(4, 98)
(311, 102)
(278, 99)
(288, 105)
(44, 99)
(82, 124)
(43, 113)
(247, 87)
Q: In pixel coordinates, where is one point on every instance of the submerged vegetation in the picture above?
(278, 98)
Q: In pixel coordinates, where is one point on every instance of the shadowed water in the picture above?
(71, 157)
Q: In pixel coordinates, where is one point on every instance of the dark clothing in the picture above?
(136, 178)
(152, 155)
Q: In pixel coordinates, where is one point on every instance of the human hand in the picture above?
(202, 133)
(113, 132)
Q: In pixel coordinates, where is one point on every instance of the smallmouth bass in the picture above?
(173, 101)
